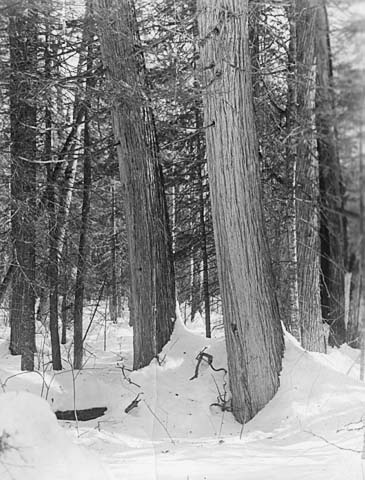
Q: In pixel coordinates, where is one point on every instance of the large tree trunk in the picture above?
(308, 241)
(152, 299)
(23, 150)
(332, 228)
(253, 332)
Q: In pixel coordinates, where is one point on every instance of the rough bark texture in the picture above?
(252, 326)
(312, 331)
(152, 301)
(23, 149)
(293, 320)
(332, 229)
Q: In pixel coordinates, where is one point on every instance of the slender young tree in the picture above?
(85, 213)
(253, 332)
(152, 300)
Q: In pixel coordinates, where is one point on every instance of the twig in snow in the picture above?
(160, 422)
(122, 367)
(209, 359)
(332, 444)
(95, 310)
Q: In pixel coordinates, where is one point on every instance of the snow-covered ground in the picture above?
(311, 430)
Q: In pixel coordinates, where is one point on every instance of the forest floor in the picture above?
(312, 429)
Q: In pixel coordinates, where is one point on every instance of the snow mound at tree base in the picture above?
(34, 447)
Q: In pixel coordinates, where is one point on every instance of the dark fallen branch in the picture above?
(207, 358)
(81, 415)
(133, 404)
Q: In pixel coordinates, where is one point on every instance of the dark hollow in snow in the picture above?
(81, 415)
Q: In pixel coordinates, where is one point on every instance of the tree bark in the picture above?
(307, 193)
(23, 150)
(252, 326)
(332, 228)
(293, 320)
(152, 301)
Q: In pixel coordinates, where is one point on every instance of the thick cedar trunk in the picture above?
(23, 120)
(253, 332)
(332, 228)
(152, 300)
(308, 241)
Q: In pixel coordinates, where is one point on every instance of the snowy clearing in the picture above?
(311, 430)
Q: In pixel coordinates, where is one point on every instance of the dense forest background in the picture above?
(201, 152)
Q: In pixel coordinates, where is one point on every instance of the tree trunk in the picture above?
(53, 259)
(113, 248)
(152, 277)
(23, 150)
(204, 251)
(332, 228)
(252, 326)
(293, 320)
(82, 253)
(307, 192)
(83, 241)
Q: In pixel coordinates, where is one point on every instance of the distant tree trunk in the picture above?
(307, 192)
(83, 241)
(204, 251)
(53, 265)
(253, 332)
(23, 150)
(353, 327)
(64, 307)
(113, 248)
(332, 227)
(292, 321)
(152, 277)
(53, 260)
(82, 253)
(361, 314)
(195, 284)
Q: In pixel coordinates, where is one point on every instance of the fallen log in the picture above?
(81, 415)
